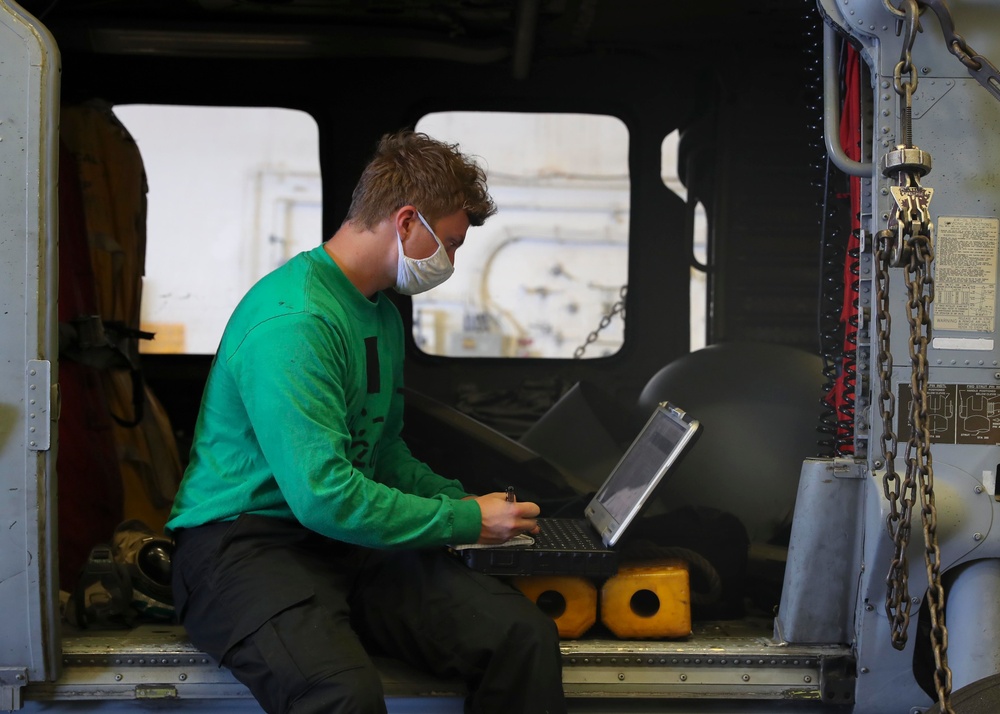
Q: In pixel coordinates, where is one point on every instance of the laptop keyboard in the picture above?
(565, 534)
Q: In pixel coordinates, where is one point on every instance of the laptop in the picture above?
(587, 546)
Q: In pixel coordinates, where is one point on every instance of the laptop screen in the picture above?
(659, 444)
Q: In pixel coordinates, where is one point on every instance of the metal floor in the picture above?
(730, 666)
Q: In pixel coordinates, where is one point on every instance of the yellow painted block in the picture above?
(648, 600)
(570, 601)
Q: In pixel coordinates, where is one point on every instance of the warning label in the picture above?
(957, 413)
(966, 273)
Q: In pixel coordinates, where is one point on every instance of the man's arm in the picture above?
(290, 372)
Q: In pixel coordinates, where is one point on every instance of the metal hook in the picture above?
(912, 21)
(894, 10)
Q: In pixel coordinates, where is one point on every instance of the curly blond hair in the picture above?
(412, 168)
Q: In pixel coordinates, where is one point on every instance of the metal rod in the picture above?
(831, 110)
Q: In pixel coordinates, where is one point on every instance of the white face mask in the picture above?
(417, 275)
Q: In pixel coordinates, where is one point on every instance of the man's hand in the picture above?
(503, 519)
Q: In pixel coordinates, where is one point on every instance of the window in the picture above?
(539, 276)
(234, 192)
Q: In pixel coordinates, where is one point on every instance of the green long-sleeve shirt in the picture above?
(301, 419)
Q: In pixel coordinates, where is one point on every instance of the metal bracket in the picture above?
(38, 403)
(12, 679)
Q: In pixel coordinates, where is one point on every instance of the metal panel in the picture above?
(29, 70)
(957, 121)
(824, 559)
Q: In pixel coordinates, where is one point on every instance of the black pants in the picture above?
(291, 613)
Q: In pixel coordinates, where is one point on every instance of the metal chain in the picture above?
(907, 242)
(900, 494)
(980, 68)
(617, 309)
(920, 286)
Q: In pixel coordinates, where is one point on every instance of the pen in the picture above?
(510, 494)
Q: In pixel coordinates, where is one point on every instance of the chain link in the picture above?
(617, 309)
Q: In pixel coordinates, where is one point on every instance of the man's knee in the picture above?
(353, 691)
(356, 691)
(294, 664)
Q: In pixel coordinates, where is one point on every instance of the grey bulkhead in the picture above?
(29, 83)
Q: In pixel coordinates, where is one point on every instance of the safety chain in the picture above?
(900, 494)
(980, 68)
(907, 242)
(920, 285)
(617, 309)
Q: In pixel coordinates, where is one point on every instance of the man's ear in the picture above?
(404, 220)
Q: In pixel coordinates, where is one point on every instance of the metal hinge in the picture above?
(12, 679)
(38, 404)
